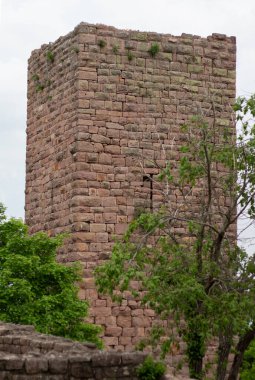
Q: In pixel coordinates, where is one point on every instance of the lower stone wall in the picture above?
(25, 354)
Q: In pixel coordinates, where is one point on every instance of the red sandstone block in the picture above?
(101, 168)
(125, 340)
(101, 311)
(141, 321)
(82, 247)
(123, 321)
(82, 294)
(113, 331)
(110, 177)
(82, 103)
(103, 192)
(110, 228)
(109, 217)
(129, 331)
(92, 192)
(130, 210)
(98, 147)
(133, 304)
(135, 340)
(111, 320)
(91, 157)
(95, 227)
(93, 129)
(137, 312)
(84, 146)
(91, 294)
(121, 219)
(98, 218)
(83, 84)
(90, 75)
(123, 310)
(108, 202)
(120, 229)
(85, 201)
(113, 149)
(88, 283)
(82, 237)
(95, 247)
(114, 133)
(140, 331)
(110, 341)
(104, 158)
(97, 104)
(89, 256)
(102, 237)
(149, 313)
(100, 302)
(101, 177)
(100, 321)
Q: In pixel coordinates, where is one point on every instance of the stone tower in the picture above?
(98, 99)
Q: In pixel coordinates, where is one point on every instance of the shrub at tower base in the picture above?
(35, 289)
(185, 254)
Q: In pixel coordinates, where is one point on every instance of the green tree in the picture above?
(35, 289)
(248, 367)
(185, 254)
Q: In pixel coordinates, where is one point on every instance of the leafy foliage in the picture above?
(248, 367)
(101, 44)
(115, 49)
(35, 289)
(50, 56)
(185, 254)
(151, 370)
(154, 49)
(130, 55)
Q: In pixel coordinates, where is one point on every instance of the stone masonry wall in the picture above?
(25, 354)
(99, 104)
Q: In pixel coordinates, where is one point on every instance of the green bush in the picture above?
(35, 289)
(248, 367)
(151, 369)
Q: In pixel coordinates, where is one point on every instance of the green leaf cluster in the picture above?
(151, 369)
(248, 367)
(35, 289)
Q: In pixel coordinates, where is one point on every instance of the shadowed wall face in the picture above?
(103, 104)
(26, 354)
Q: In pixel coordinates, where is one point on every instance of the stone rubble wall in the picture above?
(102, 111)
(25, 354)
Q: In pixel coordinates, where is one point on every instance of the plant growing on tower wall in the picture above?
(154, 49)
(194, 271)
(50, 56)
(101, 44)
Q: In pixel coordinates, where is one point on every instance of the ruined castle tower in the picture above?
(98, 99)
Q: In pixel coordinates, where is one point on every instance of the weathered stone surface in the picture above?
(36, 365)
(58, 365)
(88, 131)
(61, 359)
(14, 363)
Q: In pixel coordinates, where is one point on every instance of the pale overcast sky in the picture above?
(27, 24)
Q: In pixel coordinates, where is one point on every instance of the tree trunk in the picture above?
(242, 345)
(195, 352)
(225, 342)
(196, 368)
